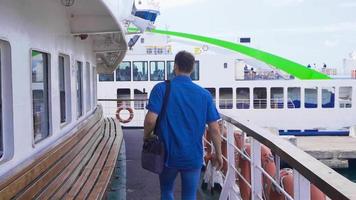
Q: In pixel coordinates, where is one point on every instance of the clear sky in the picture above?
(306, 31)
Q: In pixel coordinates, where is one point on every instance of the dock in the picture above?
(334, 151)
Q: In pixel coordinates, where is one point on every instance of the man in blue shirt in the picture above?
(189, 109)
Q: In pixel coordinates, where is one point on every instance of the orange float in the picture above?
(267, 161)
(287, 183)
(121, 108)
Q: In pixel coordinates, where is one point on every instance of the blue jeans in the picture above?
(190, 181)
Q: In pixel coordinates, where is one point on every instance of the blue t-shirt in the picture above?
(190, 108)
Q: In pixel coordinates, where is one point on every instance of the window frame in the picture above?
(147, 70)
(131, 75)
(316, 88)
(68, 89)
(272, 103)
(167, 71)
(49, 95)
(113, 75)
(82, 91)
(7, 128)
(301, 103)
(164, 69)
(262, 106)
(247, 100)
(226, 107)
(196, 61)
(87, 92)
(94, 86)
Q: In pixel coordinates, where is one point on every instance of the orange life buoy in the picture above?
(121, 108)
(267, 161)
(287, 183)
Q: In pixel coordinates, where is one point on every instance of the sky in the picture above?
(305, 31)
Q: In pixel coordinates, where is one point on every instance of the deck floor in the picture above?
(141, 184)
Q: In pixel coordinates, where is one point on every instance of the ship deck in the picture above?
(141, 184)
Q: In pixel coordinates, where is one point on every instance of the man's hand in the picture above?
(214, 132)
(217, 161)
(149, 124)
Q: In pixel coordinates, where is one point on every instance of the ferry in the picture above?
(240, 86)
(57, 140)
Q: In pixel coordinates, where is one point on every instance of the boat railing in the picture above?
(122, 108)
(243, 103)
(306, 169)
(345, 103)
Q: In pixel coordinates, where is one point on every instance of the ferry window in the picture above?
(311, 97)
(142, 96)
(345, 97)
(79, 89)
(225, 65)
(277, 100)
(123, 72)
(157, 71)
(106, 77)
(213, 93)
(94, 86)
(294, 97)
(242, 98)
(195, 75)
(225, 98)
(87, 86)
(123, 94)
(140, 71)
(40, 95)
(170, 70)
(328, 97)
(1, 142)
(64, 87)
(6, 104)
(259, 98)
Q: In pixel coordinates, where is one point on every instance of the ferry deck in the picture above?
(57, 143)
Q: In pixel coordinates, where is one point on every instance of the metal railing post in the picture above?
(230, 174)
(256, 174)
(301, 186)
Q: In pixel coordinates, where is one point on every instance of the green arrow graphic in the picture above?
(297, 70)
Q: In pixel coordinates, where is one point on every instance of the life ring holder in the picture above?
(121, 108)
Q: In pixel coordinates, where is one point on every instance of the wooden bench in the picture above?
(77, 167)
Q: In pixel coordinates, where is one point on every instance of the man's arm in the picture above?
(214, 132)
(149, 124)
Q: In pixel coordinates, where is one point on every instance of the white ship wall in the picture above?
(43, 26)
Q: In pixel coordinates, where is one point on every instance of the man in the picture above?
(189, 109)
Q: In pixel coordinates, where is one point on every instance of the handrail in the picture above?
(326, 179)
(122, 99)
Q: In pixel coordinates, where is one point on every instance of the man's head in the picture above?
(184, 63)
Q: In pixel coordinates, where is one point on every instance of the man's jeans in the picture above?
(190, 181)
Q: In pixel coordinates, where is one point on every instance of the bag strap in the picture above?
(164, 106)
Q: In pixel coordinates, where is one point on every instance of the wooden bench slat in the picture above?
(50, 178)
(97, 168)
(84, 166)
(105, 176)
(82, 179)
(14, 185)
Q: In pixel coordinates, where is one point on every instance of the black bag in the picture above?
(152, 156)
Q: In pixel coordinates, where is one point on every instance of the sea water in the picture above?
(349, 173)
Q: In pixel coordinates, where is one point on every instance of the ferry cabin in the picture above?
(48, 66)
(289, 106)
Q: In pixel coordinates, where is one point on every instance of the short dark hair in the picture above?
(184, 61)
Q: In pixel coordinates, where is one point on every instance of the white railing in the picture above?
(308, 174)
(242, 103)
(137, 106)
